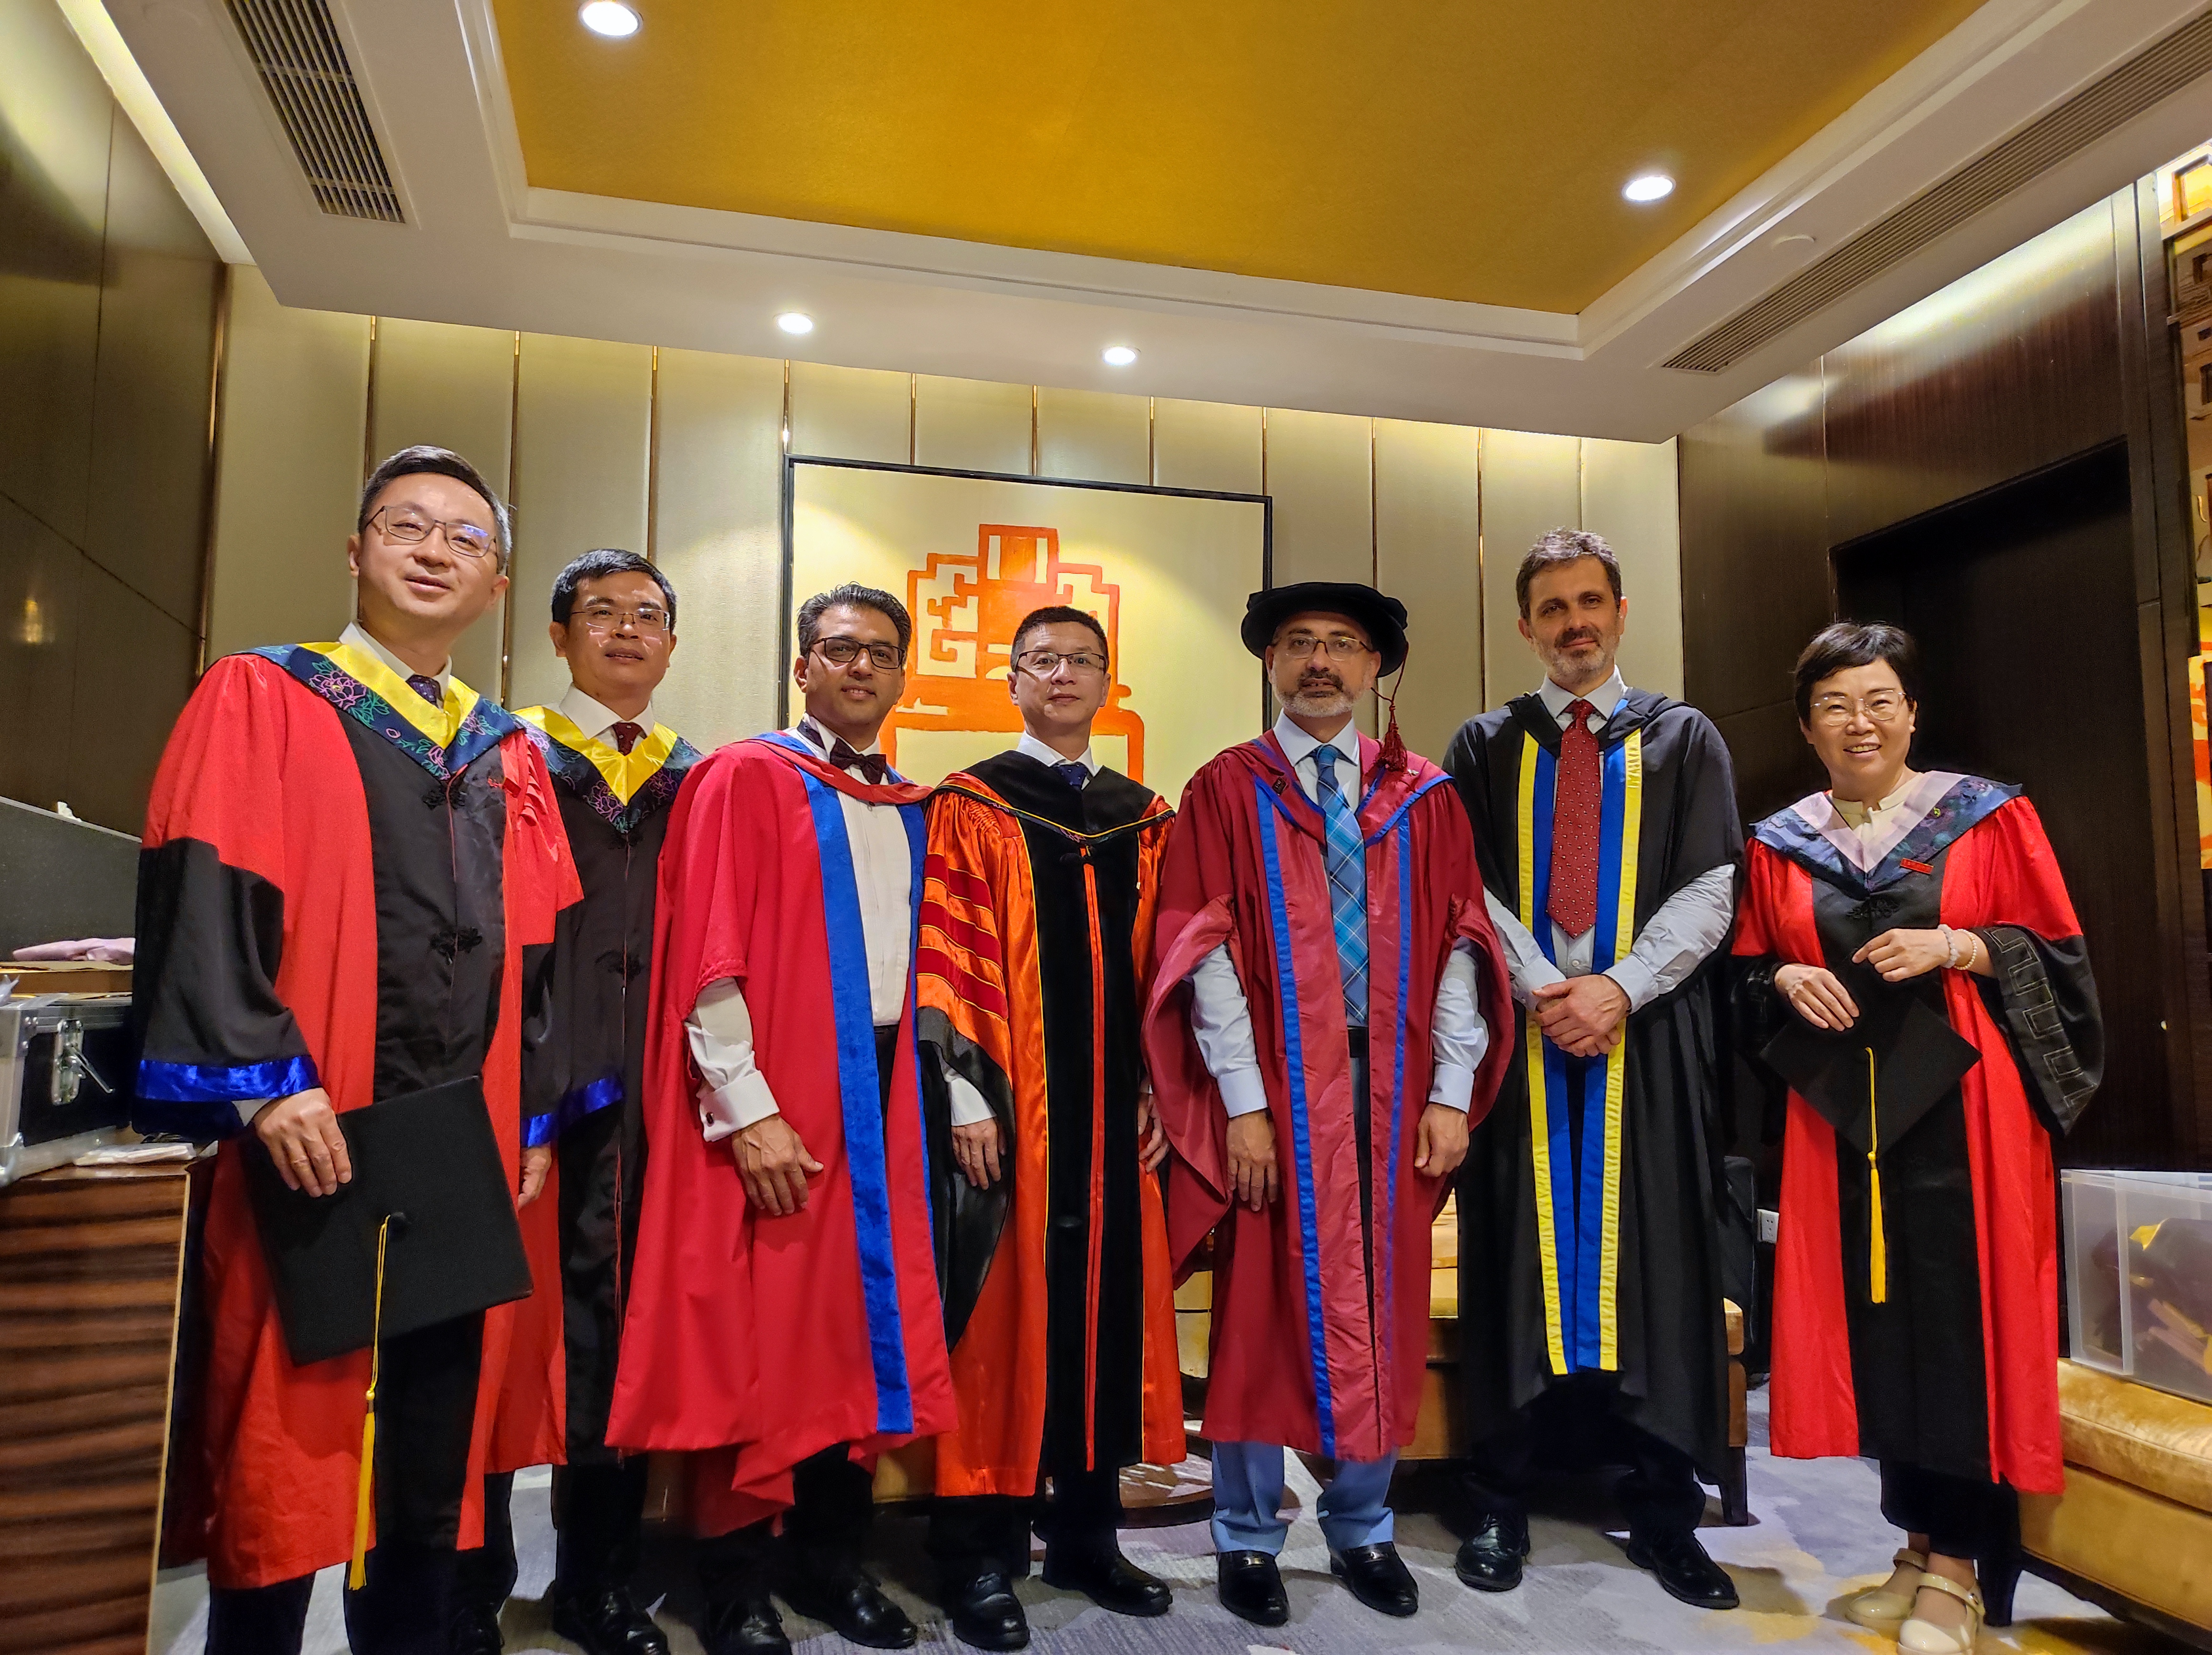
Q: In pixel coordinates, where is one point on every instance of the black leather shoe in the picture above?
(1680, 1565)
(1108, 1579)
(745, 1626)
(986, 1614)
(1490, 1559)
(837, 1590)
(1378, 1578)
(606, 1622)
(1252, 1587)
(475, 1630)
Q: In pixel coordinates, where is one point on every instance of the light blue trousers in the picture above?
(1247, 1500)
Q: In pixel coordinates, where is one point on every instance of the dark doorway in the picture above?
(2023, 602)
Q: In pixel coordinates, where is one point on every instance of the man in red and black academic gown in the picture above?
(347, 892)
(1318, 1033)
(616, 769)
(1037, 933)
(784, 1319)
(1591, 1311)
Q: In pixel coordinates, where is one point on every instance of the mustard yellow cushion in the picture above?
(2148, 1550)
(2149, 1440)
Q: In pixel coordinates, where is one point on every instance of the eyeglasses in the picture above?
(411, 528)
(1043, 662)
(600, 619)
(843, 651)
(1883, 706)
(1340, 645)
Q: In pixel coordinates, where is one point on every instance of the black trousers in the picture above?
(974, 1533)
(1660, 1496)
(1962, 1517)
(402, 1608)
(833, 1508)
(599, 1510)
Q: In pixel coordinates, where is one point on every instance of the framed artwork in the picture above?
(1164, 571)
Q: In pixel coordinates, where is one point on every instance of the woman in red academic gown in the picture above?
(1945, 1028)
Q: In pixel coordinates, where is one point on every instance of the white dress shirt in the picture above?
(1688, 925)
(733, 1092)
(1221, 1017)
(596, 720)
(355, 635)
(1866, 833)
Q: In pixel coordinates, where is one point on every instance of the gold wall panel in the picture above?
(717, 536)
(1630, 496)
(852, 413)
(1318, 473)
(132, 658)
(294, 401)
(583, 460)
(1530, 483)
(1427, 532)
(1100, 435)
(1213, 445)
(41, 580)
(971, 425)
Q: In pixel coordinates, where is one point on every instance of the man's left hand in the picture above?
(536, 1162)
(1440, 1142)
(1583, 1016)
(1151, 1136)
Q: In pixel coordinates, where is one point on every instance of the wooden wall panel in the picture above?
(1628, 491)
(1530, 483)
(852, 413)
(41, 581)
(971, 425)
(1428, 547)
(1211, 446)
(1099, 436)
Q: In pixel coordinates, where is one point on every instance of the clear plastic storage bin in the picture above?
(2139, 1276)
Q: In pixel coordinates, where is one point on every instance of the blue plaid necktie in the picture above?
(1074, 773)
(1347, 885)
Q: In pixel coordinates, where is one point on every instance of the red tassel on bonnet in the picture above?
(1393, 745)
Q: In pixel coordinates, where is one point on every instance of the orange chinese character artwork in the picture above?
(965, 607)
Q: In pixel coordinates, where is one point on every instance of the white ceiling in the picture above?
(481, 246)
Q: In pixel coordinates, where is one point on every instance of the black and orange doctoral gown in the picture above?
(1036, 931)
(1955, 1370)
(768, 1339)
(341, 886)
(1321, 1302)
(590, 1100)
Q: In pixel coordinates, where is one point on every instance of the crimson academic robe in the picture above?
(1037, 936)
(1956, 1370)
(588, 1097)
(774, 1338)
(330, 897)
(1321, 1302)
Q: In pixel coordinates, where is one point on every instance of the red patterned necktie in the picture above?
(1573, 903)
(626, 734)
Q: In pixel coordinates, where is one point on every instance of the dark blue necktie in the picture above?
(1074, 775)
(427, 687)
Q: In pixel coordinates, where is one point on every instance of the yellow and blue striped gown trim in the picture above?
(1578, 1221)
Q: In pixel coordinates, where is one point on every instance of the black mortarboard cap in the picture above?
(1382, 616)
(1917, 1058)
(427, 1160)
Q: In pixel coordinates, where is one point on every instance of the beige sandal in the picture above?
(1882, 1607)
(1926, 1638)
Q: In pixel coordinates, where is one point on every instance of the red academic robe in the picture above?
(770, 1339)
(259, 808)
(1957, 1369)
(1309, 1349)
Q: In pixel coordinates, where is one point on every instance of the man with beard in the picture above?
(1590, 1276)
(1320, 907)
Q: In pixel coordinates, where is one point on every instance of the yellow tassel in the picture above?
(363, 1503)
(1877, 1244)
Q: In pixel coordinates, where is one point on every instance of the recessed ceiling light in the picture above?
(795, 322)
(1649, 186)
(608, 17)
(1118, 355)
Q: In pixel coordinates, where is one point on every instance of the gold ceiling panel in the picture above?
(1469, 151)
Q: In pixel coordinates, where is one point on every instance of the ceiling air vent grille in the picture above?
(295, 46)
(2153, 74)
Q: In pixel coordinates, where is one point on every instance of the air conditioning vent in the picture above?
(2149, 76)
(295, 46)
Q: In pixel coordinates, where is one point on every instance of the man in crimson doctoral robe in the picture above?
(1590, 1309)
(1036, 931)
(347, 893)
(1318, 1033)
(784, 1320)
(616, 770)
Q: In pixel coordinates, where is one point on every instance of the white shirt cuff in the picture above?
(249, 1107)
(969, 1108)
(1636, 980)
(1243, 1092)
(1453, 1087)
(733, 1107)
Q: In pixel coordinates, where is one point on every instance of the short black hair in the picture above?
(1851, 644)
(607, 560)
(1558, 547)
(440, 462)
(850, 595)
(1058, 615)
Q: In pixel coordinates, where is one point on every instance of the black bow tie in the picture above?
(872, 766)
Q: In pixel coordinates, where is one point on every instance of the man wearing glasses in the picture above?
(351, 868)
(1318, 1034)
(616, 770)
(1036, 929)
(1590, 1314)
(784, 1318)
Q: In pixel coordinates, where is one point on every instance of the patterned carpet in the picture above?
(1819, 1535)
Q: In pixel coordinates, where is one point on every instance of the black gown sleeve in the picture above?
(2045, 1000)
